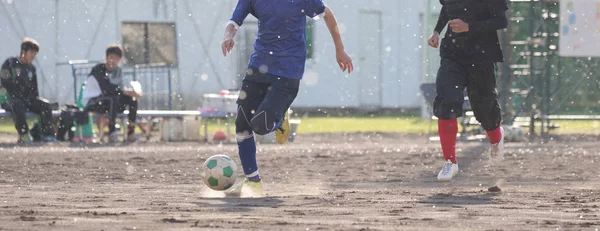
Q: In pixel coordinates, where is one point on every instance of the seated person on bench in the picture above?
(19, 78)
(104, 92)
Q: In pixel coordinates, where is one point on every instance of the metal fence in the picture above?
(156, 81)
(538, 83)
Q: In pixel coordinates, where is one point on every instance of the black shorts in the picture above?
(479, 80)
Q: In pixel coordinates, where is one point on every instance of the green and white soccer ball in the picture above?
(219, 172)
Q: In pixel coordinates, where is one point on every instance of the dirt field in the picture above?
(320, 182)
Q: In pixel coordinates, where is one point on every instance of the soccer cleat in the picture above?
(449, 170)
(246, 188)
(133, 137)
(25, 139)
(49, 139)
(497, 150)
(282, 134)
(113, 137)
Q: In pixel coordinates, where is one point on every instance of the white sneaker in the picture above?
(497, 150)
(448, 171)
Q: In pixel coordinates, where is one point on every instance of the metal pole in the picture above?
(147, 58)
(545, 71)
(170, 90)
(74, 71)
(380, 78)
(425, 114)
(153, 87)
(531, 70)
(56, 47)
(548, 93)
(117, 23)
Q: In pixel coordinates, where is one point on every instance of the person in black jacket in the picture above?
(105, 92)
(19, 78)
(469, 52)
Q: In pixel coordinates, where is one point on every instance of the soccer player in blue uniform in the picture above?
(273, 77)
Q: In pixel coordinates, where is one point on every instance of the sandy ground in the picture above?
(320, 182)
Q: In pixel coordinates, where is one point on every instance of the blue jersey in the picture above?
(280, 48)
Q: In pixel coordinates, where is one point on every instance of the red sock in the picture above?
(494, 135)
(447, 130)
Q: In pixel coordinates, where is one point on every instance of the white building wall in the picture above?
(84, 29)
(36, 22)
(326, 86)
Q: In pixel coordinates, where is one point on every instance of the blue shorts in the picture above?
(263, 100)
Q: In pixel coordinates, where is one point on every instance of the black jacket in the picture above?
(480, 43)
(107, 88)
(19, 80)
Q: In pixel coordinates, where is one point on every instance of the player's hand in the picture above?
(458, 26)
(132, 93)
(344, 61)
(227, 46)
(434, 40)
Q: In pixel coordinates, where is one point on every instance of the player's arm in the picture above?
(498, 20)
(243, 8)
(126, 90)
(131, 93)
(228, 37)
(343, 59)
(443, 19)
(91, 90)
(6, 76)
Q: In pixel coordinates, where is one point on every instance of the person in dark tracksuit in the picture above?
(275, 69)
(19, 78)
(469, 52)
(105, 92)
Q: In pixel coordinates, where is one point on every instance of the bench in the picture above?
(4, 113)
(153, 114)
(180, 115)
(150, 115)
(204, 118)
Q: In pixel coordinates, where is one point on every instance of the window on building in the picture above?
(149, 43)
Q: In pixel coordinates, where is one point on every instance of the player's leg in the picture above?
(106, 104)
(112, 106)
(484, 101)
(270, 113)
(43, 108)
(19, 110)
(132, 105)
(450, 84)
(252, 94)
